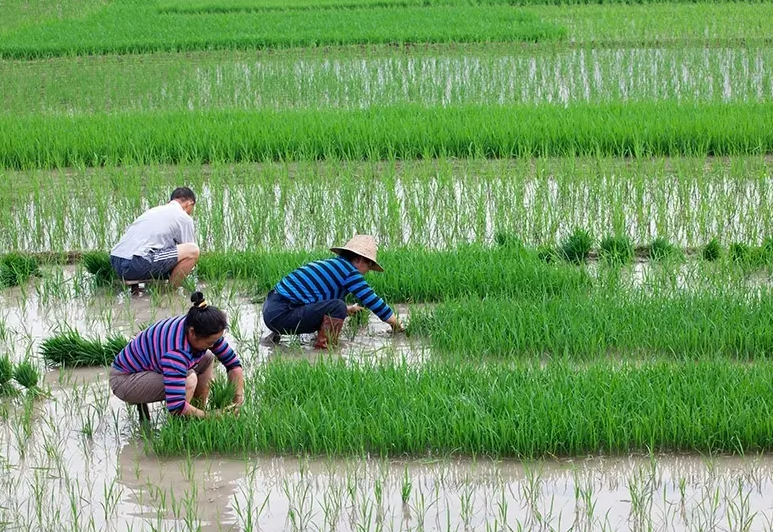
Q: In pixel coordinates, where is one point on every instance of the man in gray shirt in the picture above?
(159, 244)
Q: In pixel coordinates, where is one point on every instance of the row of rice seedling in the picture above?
(686, 323)
(339, 408)
(661, 24)
(412, 275)
(380, 76)
(71, 350)
(229, 6)
(418, 275)
(139, 29)
(405, 132)
(427, 203)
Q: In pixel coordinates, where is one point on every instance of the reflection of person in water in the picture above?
(171, 361)
(198, 492)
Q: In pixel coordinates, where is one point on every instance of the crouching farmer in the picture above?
(173, 361)
(160, 244)
(311, 298)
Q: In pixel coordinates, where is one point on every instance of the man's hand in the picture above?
(353, 309)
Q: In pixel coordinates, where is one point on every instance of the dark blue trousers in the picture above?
(285, 317)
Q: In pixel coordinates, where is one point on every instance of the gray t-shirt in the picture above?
(158, 228)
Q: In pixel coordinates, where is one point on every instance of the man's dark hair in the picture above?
(183, 193)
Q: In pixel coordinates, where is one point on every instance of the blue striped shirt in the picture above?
(333, 278)
(163, 348)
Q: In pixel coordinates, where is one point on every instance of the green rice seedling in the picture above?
(741, 252)
(153, 32)
(696, 324)
(617, 249)
(28, 376)
(394, 132)
(508, 239)
(766, 250)
(419, 275)
(424, 218)
(97, 263)
(390, 408)
(547, 254)
(173, 82)
(712, 251)
(70, 349)
(221, 393)
(16, 269)
(6, 374)
(661, 248)
(577, 246)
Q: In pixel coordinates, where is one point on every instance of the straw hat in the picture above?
(364, 246)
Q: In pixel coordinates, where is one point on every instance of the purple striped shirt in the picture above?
(163, 348)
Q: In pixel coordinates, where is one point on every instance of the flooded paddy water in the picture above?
(427, 76)
(428, 204)
(75, 459)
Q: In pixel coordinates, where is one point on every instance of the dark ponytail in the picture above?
(205, 319)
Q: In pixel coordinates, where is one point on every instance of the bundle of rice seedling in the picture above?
(221, 393)
(617, 249)
(661, 249)
(97, 263)
(577, 246)
(27, 375)
(713, 250)
(6, 374)
(15, 269)
(72, 350)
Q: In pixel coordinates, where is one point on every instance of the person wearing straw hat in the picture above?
(311, 297)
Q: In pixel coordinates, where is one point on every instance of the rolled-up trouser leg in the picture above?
(148, 386)
(284, 317)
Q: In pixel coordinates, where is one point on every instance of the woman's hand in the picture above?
(397, 327)
(353, 309)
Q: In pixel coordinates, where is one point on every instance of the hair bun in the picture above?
(197, 298)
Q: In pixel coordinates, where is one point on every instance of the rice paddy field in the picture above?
(572, 202)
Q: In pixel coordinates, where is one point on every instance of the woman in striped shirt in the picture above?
(311, 298)
(172, 361)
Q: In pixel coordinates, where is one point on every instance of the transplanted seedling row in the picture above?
(340, 408)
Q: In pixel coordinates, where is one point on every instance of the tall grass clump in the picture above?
(97, 263)
(392, 408)
(617, 249)
(70, 349)
(712, 251)
(16, 269)
(577, 246)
